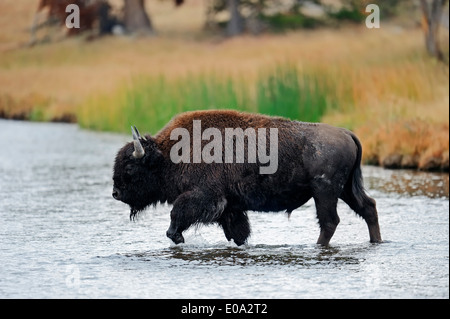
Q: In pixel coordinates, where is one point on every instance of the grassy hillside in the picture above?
(379, 83)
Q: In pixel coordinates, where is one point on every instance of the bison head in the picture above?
(136, 173)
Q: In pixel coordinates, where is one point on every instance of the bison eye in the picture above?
(130, 170)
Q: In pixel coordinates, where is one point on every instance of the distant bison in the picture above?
(214, 166)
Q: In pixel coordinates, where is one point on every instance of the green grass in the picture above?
(287, 93)
(150, 102)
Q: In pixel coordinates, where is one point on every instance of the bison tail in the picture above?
(356, 178)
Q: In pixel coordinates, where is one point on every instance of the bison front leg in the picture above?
(190, 208)
(235, 226)
(182, 217)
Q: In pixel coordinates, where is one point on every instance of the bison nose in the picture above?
(116, 193)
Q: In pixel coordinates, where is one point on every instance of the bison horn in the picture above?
(138, 149)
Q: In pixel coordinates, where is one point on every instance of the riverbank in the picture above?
(379, 83)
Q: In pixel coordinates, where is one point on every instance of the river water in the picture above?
(62, 235)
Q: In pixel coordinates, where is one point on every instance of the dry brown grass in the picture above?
(408, 144)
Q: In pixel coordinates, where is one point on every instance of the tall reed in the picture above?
(150, 102)
(286, 92)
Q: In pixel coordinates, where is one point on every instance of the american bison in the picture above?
(306, 160)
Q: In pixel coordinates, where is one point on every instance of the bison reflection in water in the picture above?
(314, 161)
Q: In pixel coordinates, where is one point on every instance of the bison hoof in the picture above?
(177, 238)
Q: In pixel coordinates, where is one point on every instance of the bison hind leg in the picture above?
(366, 208)
(235, 225)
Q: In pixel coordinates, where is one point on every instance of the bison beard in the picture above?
(133, 213)
(314, 161)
